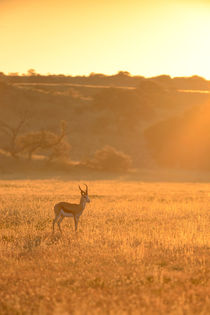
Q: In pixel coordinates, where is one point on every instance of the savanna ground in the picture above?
(141, 248)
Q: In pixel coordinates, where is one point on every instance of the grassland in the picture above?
(141, 248)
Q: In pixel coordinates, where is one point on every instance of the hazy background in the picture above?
(100, 123)
(100, 97)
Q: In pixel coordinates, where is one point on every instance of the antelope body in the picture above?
(66, 209)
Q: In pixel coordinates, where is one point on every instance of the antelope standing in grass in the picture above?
(66, 209)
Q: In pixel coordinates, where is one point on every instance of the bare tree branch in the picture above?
(13, 132)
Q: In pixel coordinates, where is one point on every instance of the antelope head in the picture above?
(84, 194)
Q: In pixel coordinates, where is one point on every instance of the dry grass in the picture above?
(141, 248)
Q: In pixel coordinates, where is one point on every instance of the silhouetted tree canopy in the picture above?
(54, 146)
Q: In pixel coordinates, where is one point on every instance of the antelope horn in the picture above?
(80, 188)
(86, 188)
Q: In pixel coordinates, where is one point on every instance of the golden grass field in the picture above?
(141, 248)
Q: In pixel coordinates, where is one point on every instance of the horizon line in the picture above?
(123, 72)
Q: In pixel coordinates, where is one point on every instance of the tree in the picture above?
(49, 143)
(31, 72)
(123, 73)
(13, 133)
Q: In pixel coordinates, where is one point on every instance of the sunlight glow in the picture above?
(143, 37)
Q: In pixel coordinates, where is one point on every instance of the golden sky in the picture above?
(148, 37)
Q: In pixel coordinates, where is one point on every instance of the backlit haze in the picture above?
(79, 37)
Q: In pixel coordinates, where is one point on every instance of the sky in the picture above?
(77, 37)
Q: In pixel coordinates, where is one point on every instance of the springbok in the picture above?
(66, 209)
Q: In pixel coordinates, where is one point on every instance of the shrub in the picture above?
(109, 159)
